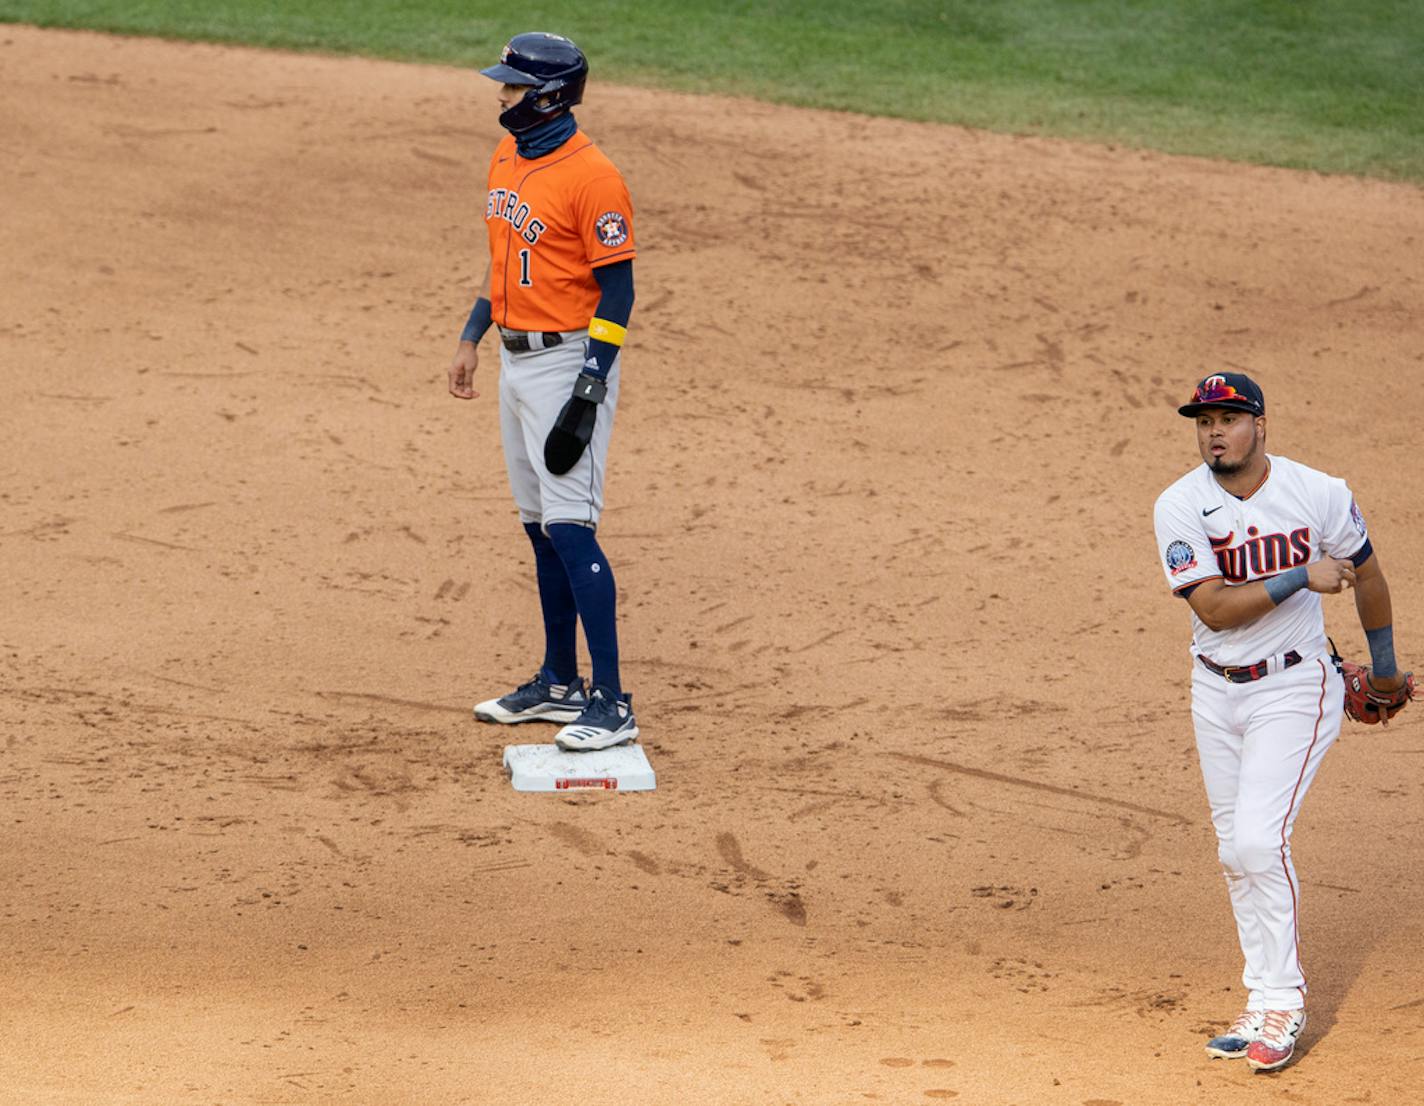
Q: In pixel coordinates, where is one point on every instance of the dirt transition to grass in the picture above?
(897, 401)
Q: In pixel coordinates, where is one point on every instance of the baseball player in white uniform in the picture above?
(1251, 541)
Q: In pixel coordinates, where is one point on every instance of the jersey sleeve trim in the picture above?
(621, 255)
(1363, 554)
(1186, 589)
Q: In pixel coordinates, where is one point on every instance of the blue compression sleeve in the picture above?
(1382, 662)
(481, 315)
(1282, 587)
(615, 306)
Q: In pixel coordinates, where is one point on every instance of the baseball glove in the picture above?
(1364, 703)
(573, 429)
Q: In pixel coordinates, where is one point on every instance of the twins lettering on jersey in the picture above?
(1258, 555)
(1261, 555)
(504, 203)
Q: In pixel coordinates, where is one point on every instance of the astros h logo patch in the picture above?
(612, 228)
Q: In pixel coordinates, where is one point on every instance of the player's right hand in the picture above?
(462, 371)
(1330, 575)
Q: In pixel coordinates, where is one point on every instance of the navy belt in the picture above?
(1246, 673)
(517, 341)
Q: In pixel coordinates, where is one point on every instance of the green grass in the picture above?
(1331, 85)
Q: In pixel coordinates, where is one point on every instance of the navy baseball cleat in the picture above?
(606, 721)
(1232, 1044)
(537, 701)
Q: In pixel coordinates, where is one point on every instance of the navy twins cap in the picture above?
(1235, 390)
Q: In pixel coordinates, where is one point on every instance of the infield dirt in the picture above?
(897, 402)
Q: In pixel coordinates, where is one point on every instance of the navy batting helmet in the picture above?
(554, 69)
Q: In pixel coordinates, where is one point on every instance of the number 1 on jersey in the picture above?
(524, 281)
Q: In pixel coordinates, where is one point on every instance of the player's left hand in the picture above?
(1391, 684)
(1330, 575)
(1373, 699)
(573, 429)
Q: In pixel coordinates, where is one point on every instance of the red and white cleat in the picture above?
(1274, 1047)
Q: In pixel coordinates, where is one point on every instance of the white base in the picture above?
(549, 768)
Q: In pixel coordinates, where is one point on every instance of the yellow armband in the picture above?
(604, 331)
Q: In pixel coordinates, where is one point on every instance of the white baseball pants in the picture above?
(1260, 746)
(533, 388)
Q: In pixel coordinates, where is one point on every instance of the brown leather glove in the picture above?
(1366, 703)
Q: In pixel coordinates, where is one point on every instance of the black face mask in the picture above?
(546, 137)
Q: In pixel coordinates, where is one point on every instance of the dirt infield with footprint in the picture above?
(897, 402)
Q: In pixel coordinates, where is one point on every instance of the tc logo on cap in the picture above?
(1215, 389)
(1226, 390)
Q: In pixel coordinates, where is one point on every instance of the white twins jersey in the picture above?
(1295, 516)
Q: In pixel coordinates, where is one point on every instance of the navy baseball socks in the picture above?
(556, 603)
(556, 693)
(608, 718)
(575, 585)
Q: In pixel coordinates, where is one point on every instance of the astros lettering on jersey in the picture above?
(551, 222)
(1294, 517)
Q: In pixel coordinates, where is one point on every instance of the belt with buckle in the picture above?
(1246, 673)
(517, 341)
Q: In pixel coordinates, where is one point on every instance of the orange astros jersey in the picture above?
(551, 222)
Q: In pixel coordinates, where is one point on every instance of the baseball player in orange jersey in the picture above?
(559, 289)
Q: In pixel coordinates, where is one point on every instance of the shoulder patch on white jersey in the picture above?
(1358, 519)
(1180, 557)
